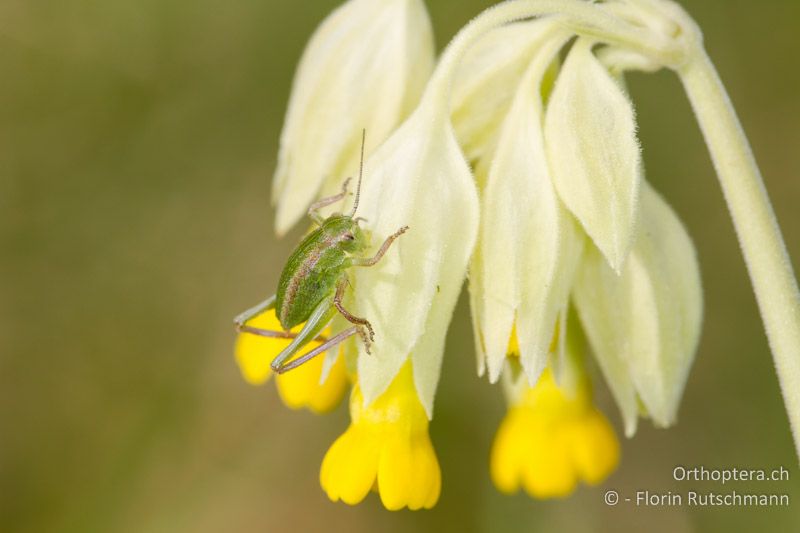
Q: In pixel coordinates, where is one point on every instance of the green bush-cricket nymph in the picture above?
(314, 279)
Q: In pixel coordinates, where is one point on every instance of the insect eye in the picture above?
(349, 237)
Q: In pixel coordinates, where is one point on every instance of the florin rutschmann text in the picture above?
(696, 497)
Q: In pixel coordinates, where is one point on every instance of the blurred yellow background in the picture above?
(137, 142)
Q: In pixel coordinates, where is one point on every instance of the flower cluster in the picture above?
(515, 162)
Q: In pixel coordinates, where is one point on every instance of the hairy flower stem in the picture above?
(757, 228)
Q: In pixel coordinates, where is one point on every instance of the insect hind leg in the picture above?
(254, 311)
(241, 322)
(324, 347)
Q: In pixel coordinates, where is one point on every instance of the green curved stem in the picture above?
(757, 228)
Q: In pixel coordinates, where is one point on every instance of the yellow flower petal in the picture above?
(548, 471)
(428, 474)
(301, 388)
(508, 452)
(595, 448)
(349, 468)
(255, 353)
(395, 472)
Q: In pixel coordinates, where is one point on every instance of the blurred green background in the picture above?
(137, 142)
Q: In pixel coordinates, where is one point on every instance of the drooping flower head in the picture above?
(528, 171)
(563, 198)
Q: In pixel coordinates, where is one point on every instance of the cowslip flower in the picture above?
(529, 245)
(365, 67)
(567, 222)
(309, 386)
(418, 178)
(551, 438)
(580, 158)
(386, 447)
(643, 319)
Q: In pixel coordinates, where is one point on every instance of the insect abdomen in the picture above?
(310, 276)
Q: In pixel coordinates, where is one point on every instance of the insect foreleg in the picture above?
(324, 202)
(319, 318)
(360, 261)
(337, 302)
(334, 341)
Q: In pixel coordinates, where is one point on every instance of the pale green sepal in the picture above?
(644, 324)
(590, 133)
(529, 244)
(418, 178)
(364, 68)
(568, 354)
(487, 79)
(475, 286)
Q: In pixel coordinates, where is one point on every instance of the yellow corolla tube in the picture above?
(386, 448)
(550, 440)
(299, 388)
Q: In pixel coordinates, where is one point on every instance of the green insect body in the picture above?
(313, 282)
(316, 267)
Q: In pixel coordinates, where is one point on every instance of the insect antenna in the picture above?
(360, 173)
